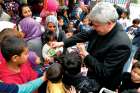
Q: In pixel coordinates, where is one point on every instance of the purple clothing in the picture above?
(30, 28)
(32, 58)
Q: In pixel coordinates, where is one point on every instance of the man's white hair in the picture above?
(103, 12)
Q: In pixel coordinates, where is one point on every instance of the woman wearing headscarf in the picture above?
(32, 34)
(51, 24)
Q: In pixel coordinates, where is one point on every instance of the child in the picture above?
(85, 25)
(124, 19)
(131, 81)
(133, 29)
(47, 52)
(17, 69)
(70, 27)
(60, 23)
(72, 63)
(54, 76)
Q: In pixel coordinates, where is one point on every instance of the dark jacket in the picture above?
(108, 54)
(136, 39)
(61, 36)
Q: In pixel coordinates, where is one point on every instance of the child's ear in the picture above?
(14, 58)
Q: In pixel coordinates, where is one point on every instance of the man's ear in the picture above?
(109, 23)
(14, 58)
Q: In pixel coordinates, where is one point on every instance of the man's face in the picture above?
(135, 75)
(101, 29)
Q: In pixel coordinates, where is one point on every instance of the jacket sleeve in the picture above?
(77, 38)
(113, 62)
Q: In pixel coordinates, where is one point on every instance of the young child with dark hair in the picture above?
(84, 26)
(54, 75)
(17, 69)
(131, 81)
(134, 30)
(72, 63)
(47, 52)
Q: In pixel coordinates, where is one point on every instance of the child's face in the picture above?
(124, 15)
(86, 21)
(23, 58)
(135, 75)
(71, 25)
(61, 22)
(26, 12)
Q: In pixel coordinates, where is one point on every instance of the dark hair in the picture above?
(20, 9)
(8, 32)
(136, 65)
(86, 85)
(54, 72)
(59, 18)
(119, 10)
(48, 36)
(72, 63)
(136, 21)
(11, 46)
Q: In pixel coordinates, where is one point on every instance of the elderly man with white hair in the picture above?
(108, 49)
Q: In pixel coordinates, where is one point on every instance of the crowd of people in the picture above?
(68, 46)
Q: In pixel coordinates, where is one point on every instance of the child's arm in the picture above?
(45, 50)
(23, 88)
(31, 86)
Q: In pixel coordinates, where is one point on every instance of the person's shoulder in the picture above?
(46, 46)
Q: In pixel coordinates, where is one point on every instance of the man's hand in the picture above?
(82, 50)
(57, 44)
